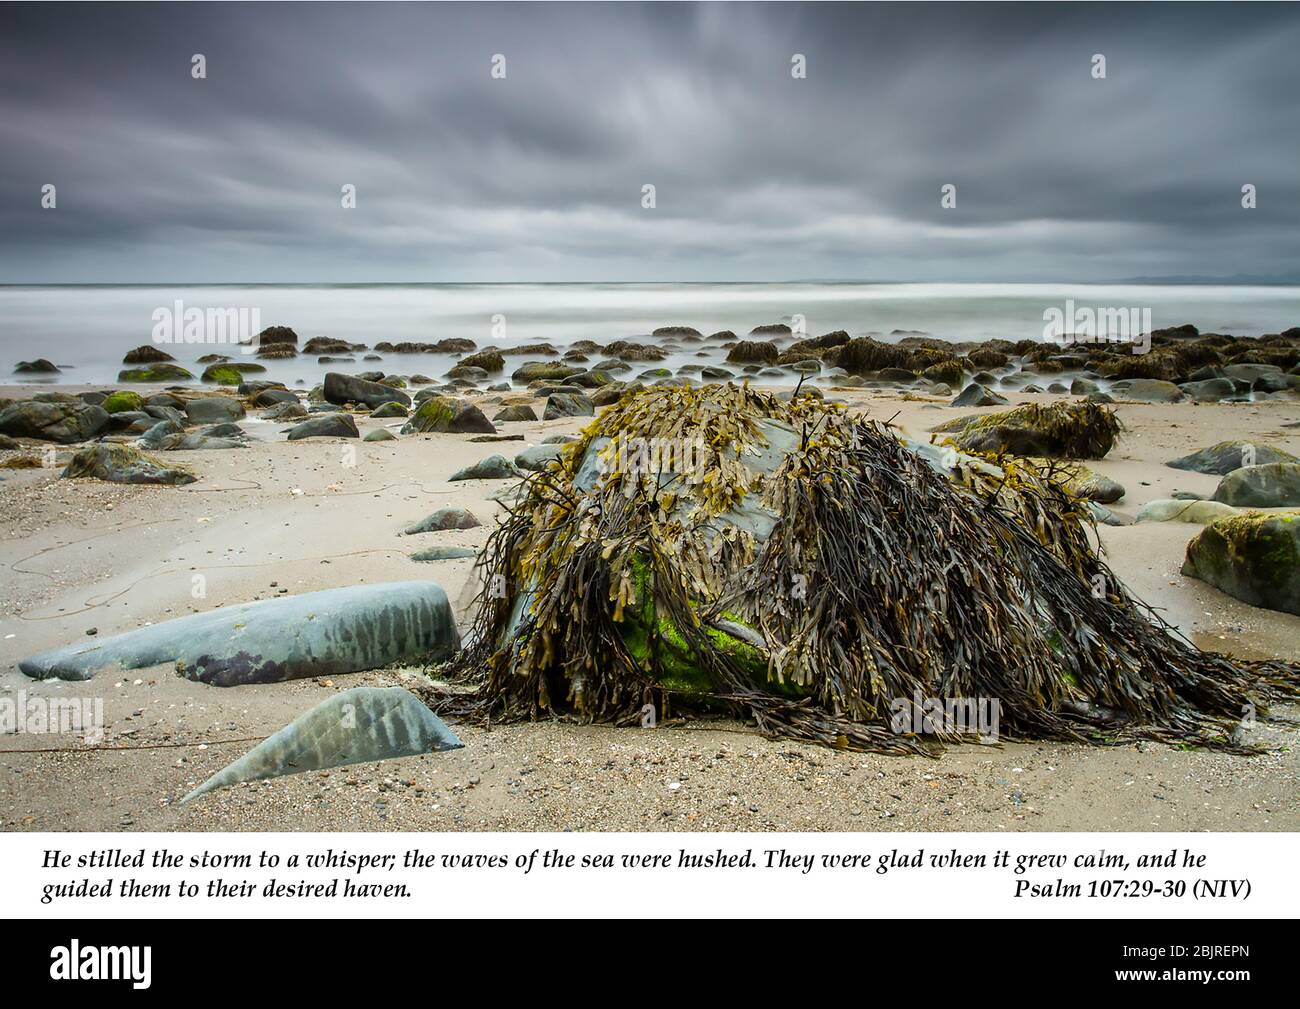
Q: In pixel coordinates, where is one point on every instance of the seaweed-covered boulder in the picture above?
(1062, 430)
(1272, 485)
(63, 421)
(123, 464)
(1253, 557)
(754, 352)
(344, 389)
(161, 371)
(316, 634)
(435, 413)
(698, 548)
(1226, 456)
(353, 727)
(491, 361)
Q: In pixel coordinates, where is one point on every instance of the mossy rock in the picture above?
(230, 372)
(948, 372)
(122, 401)
(434, 414)
(1253, 557)
(389, 409)
(490, 361)
(160, 372)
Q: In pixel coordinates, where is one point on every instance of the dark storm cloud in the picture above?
(538, 176)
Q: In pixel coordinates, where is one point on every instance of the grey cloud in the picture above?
(758, 176)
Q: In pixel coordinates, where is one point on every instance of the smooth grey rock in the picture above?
(380, 434)
(517, 412)
(1146, 390)
(1274, 485)
(353, 727)
(442, 520)
(1175, 510)
(326, 425)
(494, 467)
(344, 389)
(568, 404)
(214, 410)
(977, 395)
(319, 633)
(1227, 456)
(538, 457)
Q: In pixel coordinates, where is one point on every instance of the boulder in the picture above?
(353, 727)
(64, 422)
(753, 352)
(344, 389)
(123, 464)
(40, 366)
(435, 413)
(568, 404)
(1146, 390)
(391, 409)
(336, 631)
(214, 410)
(469, 419)
(543, 371)
(146, 353)
(1272, 485)
(1211, 390)
(162, 371)
(124, 401)
(978, 395)
(327, 425)
(489, 361)
(1226, 456)
(1253, 557)
(517, 412)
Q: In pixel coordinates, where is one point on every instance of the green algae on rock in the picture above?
(1254, 557)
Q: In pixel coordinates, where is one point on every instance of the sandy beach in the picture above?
(284, 518)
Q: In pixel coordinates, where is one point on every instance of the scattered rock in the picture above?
(978, 395)
(442, 520)
(344, 389)
(1178, 510)
(1226, 456)
(517, 412)
(444, 553)
(159, 372)
(327, 425)
(538, 457)
(64, 422)
(1273, 485)
(123, 464)
(1253, 557)
(568, 404)
(494, 467)
(315, 634)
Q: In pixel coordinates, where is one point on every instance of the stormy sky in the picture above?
(759, 176)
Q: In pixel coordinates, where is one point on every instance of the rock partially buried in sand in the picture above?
(1176, 510)
(444, 554)
(123, 464)
(336, 631)
(1253, 557)
(443, 519)
(353, 727)
(1227, 456)
(434, 414)
(494, 467)
(977, 395)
